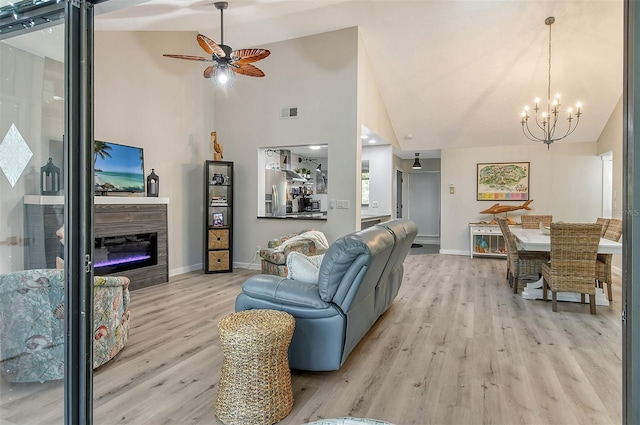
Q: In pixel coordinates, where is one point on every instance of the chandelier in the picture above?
(546, 119)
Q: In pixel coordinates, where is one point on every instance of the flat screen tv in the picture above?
(118, 168)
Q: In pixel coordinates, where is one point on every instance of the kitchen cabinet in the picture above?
(218, 198)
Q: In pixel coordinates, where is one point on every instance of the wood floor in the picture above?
(456, 347)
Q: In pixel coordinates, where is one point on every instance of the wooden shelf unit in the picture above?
(218, 220)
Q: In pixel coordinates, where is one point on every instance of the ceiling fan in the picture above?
(227, 63)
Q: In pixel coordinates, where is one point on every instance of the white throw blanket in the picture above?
(316, 236)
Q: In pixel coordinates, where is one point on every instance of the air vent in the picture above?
(289, 113)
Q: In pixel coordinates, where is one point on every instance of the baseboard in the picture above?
(454, 252)
(186, 269)
(427, 240)
(249, 266)
(195, 267)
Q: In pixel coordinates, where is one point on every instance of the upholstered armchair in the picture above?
(32, 314)
(274, 258)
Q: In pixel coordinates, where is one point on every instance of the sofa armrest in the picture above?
(279, 256)
(283, 291)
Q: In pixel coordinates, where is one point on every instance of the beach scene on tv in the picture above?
(118, 168)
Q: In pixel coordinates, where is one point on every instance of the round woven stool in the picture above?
(255, 383)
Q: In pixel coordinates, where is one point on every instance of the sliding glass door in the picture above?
(31, 217)
(45, 211)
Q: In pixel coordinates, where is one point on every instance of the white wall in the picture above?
(611, 140)
(565, 181)
(381, 178)
(165, 106)
(372, 111)
(316, 74)
(26, 79)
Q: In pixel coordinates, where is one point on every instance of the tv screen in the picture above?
(118, 168)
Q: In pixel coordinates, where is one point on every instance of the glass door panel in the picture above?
(31, 215)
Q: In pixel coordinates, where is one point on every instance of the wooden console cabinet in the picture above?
(113, 216)
(491, 235)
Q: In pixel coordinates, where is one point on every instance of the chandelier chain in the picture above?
(549, 75)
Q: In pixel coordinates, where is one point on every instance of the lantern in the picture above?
(49, 179)
(153, 184)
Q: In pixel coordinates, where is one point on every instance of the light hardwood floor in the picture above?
(456, 347)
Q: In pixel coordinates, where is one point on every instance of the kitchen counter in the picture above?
(371, 220)
(316, 215)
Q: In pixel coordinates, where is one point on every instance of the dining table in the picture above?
(536, 240)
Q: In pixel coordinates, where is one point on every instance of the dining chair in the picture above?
(572, 268)
(613, 232)
(604, 222)
(520, 264)
(533, 221)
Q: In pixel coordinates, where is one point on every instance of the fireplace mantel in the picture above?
(113, 216)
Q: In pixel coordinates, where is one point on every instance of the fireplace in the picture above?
(114, 254)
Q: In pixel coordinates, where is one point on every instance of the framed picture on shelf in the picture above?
(218, 219)
(503, 181)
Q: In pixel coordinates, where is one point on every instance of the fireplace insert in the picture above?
(114, 254)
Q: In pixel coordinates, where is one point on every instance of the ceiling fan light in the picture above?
(223, 76)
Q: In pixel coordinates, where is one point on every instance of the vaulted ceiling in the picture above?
(451, 73)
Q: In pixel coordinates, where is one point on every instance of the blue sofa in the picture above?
(358, 280)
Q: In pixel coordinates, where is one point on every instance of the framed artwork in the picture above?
(218, 219)
(503, 181)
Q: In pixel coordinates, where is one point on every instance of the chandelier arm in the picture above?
(552, 128)
(529, 135)
(571, 129)
(540, 124)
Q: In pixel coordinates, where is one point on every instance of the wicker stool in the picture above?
(255, 383)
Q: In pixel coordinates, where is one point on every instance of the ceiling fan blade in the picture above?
(249, 55)
(249, 70)
(210, 46)
(208, 71)
(189, 57)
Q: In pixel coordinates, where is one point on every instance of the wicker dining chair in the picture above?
(604, 222)
(520, 264)
(533, 221)
(572, 268)
(603, 264)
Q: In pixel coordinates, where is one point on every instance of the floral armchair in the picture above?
(274, 258)
(32, 323)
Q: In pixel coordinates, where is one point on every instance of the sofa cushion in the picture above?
(345, 259)
(282, 290)
(303, 268)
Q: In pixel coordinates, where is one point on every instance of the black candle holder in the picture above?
(153, 184)
(49, 179)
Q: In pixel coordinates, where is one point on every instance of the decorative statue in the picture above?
(217, 147)
(497, 209)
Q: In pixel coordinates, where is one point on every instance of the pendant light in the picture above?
(416, 164)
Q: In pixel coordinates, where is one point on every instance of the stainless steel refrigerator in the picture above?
(275, 193)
